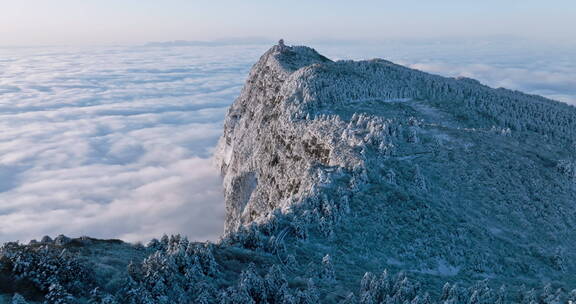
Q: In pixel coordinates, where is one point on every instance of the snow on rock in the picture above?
(409, 166)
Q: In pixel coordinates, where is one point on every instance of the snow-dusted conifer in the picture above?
(18, 299)
(253, 283)
(58, 295)
(426, 299)
(572, 296)
(108, 299)
(350, 299)
(328, 272)
(311, 294)
(367, 298)
(326, 228)
(412, 136)
(500, 295)
(391, 177)
(529, 297)
(384, 285)
(291, 262)
(419, 179)
(274, 279)
(241, 296)
(300, 229)
(99, 297)
(224, 296)
(366, 282)
(558, 259)
(445, 291)
(204, 255)
(154, 244)
(417, 300)
(164, 241)
(203, 298)
(455, 294)
(193, 271)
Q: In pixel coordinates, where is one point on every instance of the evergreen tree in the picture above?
(572, 296)
(419, 179)
(274, 281)
(253, 284)
(18, 299)
(154, 244)
(328, 272)
(291, 262)
(203, 298)
(308, 296)
(58, 295)
(241, 296)
(350, 299)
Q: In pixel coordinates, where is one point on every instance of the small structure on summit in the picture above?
(281, 45)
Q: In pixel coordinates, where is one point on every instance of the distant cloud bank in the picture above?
(116, 142)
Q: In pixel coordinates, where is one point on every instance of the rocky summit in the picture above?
(354, 182)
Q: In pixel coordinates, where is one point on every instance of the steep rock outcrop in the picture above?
(258, 135)
(437, 176)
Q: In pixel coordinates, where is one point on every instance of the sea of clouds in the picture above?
(116, 142)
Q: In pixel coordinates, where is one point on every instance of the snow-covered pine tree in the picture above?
(154, 244)
(58, 295)
(558, 259)
(572, 297)
(164, 242)
(328, 274)
(274, 280)
(391, 177)
(300, 229)
(253, 284)
(240, 296)
(291, 262)
(419, 179)
(207, 260)
(350, 299)
(193, 270)
(445, 291)
(203, 298)
(18, 299)
(311, 295)
(325, 226)
(283, 295)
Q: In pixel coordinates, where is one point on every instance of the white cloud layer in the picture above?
(116, 142)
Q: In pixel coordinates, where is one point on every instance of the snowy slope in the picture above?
(401, 169)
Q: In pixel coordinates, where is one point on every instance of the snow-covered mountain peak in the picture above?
(422, 169)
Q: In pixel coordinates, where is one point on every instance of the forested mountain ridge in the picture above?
(353, 182)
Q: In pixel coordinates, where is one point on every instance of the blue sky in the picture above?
(30, 22)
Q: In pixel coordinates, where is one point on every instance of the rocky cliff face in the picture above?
(436, 176)
(251, 142)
